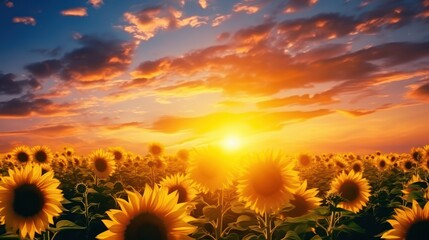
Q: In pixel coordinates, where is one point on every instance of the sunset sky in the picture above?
(296, 75)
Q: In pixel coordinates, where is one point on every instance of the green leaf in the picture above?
(10, 236)
(316, 237)
(232, 236)
(250, 236)
(291, 235)
(66, 225)
(211, 212)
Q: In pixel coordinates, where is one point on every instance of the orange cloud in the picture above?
(219, 19)
(96, 3)
(252, 122)
(25, 20)
(203, 3)
(249, 9)
(144, 24)
(75, 12)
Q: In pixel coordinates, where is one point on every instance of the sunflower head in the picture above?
(382, 163)
(210, 169)
(407, 165)
(408, 188)
(29, 200)
(118, 153)
(156, 149)
(409, 223)
(81, 188)
(22, 154)
(102, 163)
(304, 160)
(180, 183)
(183, 155)
(41, 154)
(153, 215)
(340, 163)
(353, 189)
(417, 154)
(267, 182)
(304, 200)
(68, 152)
(356, 166)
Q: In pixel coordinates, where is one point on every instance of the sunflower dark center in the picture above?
(69, 153)
(417, 230)
(304, 160)
(340, 164)
(156, 150)
(408, 165)
(382, 164)
(266, 180)
(183, 194)
(41, 156)
(23, 157)
(100, 164)
(357, 167)
(118, 155)
(146, 226)
(28, 200)
(417, 156)
(301, 207)
(349, 191)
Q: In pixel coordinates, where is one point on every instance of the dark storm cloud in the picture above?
(44, 69)
(97, 59)
(10, 86)
(23, 107)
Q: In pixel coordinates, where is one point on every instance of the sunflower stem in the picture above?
(268, 229)
(220, 217)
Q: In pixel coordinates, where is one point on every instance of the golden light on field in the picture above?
(232, 143)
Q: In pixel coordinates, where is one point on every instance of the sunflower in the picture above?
(408, 188)
(381, 163)
(356, 166)
(41, 154)
(304, 160)
(21, 154)
(29, 200)
(354, 189)
(267, 182)
(68, 152)
(183, 155)
(118, 152)
(407, 165)
(339, 163)
(155, 215)
(102, 163)
(417, 154)
(303, 201)
(425, 164)
(409, 223)
(182, 185)
(426, 150)
(156, 149)
(210, 169)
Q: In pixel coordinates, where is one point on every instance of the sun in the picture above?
(231, 143)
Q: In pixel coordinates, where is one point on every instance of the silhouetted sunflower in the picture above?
(181, 184)
(354, 189)
(155, 215)
(102, 163)
(29, 200)
(267, 183)
(21, 154)
(409, 223)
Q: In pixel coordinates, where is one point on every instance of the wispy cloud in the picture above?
(75, 12)
(25, 20)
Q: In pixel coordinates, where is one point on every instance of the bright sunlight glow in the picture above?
(231, 142)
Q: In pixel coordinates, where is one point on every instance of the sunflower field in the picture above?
(208, 193)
